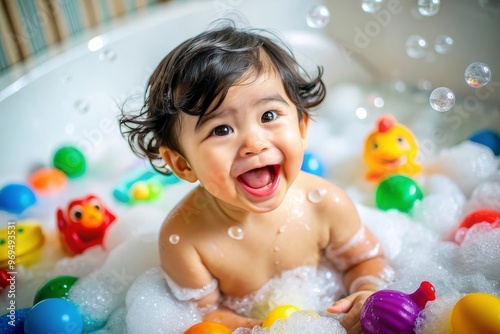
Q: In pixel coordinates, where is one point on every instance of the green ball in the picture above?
(70, 161)
(57, 287)
(398, 192)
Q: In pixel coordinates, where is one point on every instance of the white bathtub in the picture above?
(71, 99)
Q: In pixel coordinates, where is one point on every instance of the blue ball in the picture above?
(12, 322)
(16, 197)
(312, 164)
(488, 138)
(53, 315)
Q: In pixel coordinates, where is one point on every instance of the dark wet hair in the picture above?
(195, 77)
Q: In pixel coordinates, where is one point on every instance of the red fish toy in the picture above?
(83, 223)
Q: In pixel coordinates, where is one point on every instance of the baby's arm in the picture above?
(356, 251)
(189, 279)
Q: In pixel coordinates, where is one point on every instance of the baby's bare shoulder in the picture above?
(322, 191)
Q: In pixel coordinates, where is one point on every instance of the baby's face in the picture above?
(248, 151)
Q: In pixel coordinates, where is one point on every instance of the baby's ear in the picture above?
(178, 164)
(304, 127)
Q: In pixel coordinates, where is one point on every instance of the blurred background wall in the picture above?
(28, 27)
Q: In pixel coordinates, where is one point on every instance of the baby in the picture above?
(229, 109)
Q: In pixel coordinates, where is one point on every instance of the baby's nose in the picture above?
(254, 143)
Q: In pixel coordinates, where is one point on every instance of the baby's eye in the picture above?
(269, 116)
(222, 130)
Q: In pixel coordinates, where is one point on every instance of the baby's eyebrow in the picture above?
(215, 113)
(272, 98)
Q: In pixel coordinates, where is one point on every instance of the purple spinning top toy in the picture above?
(395, 312)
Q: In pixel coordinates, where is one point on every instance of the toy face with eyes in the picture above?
(390, 149)
(84, 223)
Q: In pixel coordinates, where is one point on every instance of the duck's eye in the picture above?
(401, 140)
(95, 203)
(375, 146)
(76, 213)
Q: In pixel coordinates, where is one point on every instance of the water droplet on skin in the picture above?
(235, 232)
(281, 229)
(276, 262)
(316, 195)
(276, 248)
(307, 227)
(174, 239)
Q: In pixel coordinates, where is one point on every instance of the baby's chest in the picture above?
(246, 263)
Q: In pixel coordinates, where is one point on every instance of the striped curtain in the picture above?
(30, 26)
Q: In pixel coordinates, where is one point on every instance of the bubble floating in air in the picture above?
(428, 7)
(316, 195)
(477, 75)
(174, 239)
(107, 55)
(416, 46)
(235, 233)
(443, 44)
(318, 17)
(81, 106)
(371, 6)
(442, 99)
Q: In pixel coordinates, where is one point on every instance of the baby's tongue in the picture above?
(258, 178)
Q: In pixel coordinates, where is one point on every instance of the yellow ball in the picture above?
(476, 313)
(280, 312)
(140, 191)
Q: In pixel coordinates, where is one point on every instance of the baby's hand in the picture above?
(351, 305)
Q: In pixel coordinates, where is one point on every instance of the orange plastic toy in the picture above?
(390, 149)
(84, 223)
(208, 327)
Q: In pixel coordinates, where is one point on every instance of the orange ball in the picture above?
(48, 180)
(208, 327)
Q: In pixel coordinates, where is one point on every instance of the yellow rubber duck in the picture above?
(390, 149)
(25, 239)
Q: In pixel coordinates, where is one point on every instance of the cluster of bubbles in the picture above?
(417, 46)
(476, 75)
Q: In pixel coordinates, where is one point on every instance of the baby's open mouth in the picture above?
(259, 177)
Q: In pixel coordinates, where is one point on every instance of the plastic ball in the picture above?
(208, 327)
(312, 164)
(53, 315)
(16, 197)
(57, 287)
(48, 180)
(280, 312)
(397, 192)
(70, 161)
(16, 318)
(476, 313)
(489, 138)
